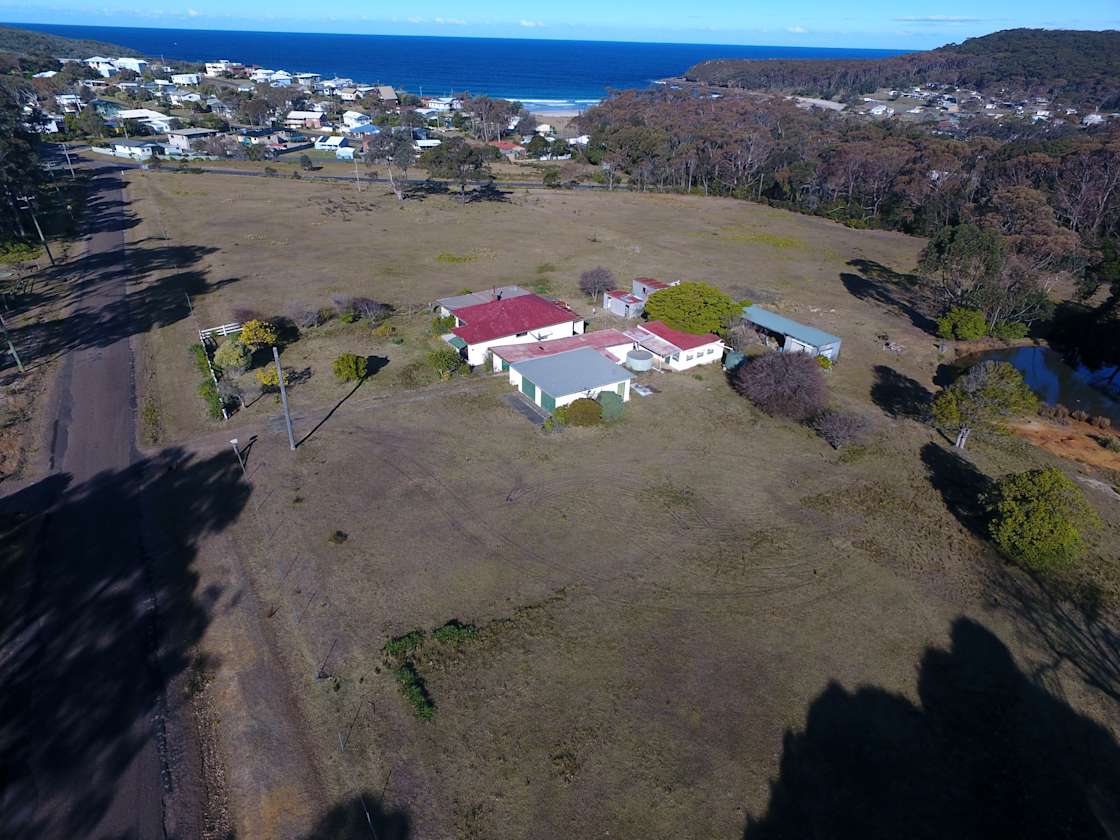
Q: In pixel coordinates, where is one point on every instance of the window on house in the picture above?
(522, 335)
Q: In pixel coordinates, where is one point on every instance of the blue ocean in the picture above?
(544, 74)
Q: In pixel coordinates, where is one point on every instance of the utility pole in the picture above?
(11, 347)
(31, 209)
(66, 151)
(284, 398)
(237, 452)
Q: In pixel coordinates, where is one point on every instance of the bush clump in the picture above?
(445, 361)
(257, 333)
(1102, 422)
(232, 357)
(582, 412)
(206, 388)
(1079, 415)
(1010, 330)
(416, 375)
(454, 632)
(414, 691)
(268, 378)
(403, 645)
(962, 323)
(783, 384)
(611, 405)
(841, 428)
(1037, 518)
(350, 367)
(443, 325)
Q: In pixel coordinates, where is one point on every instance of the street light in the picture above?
(237, 452)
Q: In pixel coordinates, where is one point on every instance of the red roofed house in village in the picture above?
(675, 349)
(511, 320)
(611, 344)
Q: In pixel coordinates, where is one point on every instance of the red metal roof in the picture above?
(653, 284)
(509, 316)
(681, 340)
(599, 340)
(625, 297)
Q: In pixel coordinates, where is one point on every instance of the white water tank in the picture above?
(639, 360)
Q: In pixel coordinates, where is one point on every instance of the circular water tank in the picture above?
(639, 360)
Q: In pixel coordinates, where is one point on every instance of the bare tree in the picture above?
(596, 281)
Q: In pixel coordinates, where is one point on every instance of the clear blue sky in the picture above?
(816, 23)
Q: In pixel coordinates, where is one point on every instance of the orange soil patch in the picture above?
(1075, 442)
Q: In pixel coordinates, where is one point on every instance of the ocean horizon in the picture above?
(544, 74)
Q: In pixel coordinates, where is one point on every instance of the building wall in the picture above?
(704, 355)
(476, 353)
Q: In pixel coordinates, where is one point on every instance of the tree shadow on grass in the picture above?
(961, 485)
(488, 192)
(422, 189)
(86, 661)
(362, 817)
(898, 395)
(985, 753)
(903, 293)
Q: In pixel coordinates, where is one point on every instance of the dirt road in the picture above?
(83, 711)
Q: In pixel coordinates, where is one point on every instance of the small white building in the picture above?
(135, 149)
(306, 79)
(793, 337)
(136, 65)
(631, 304)
(674, 349)
(154, 120)
(105, 67)
(281, 78)
(185, 139)
(185, 79)
(331, 144)
(70, 103)
(516, 320)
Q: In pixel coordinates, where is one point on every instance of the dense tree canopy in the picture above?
(692, 307)
(983, 398)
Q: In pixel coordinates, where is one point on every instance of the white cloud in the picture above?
(192, 12)
(939, 19)
(797, 30)
(450, 21)
(416, 20)
(531, 24)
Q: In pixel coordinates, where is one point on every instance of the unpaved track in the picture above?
(107, 783)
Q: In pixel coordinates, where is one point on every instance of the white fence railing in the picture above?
(222, 331)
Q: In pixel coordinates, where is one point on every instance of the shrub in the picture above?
(595, 281)
(206, 388)
(824, 362)
(338, 537)
(402, 645)
(350, 367)
(1010, 330)
(583, 412)
(962, 323)
(414, 691)
(416, 375)
(611, 405)
(305, 316)
(384, 330)
(1110, 442)
(1037, 517)
(232, 357)
(551, 178)
(840, 428)
(692, 307)
(268, 379)
(1079, 415)
(783, 384)
(455, 632)
(229, 393)
(343, 305)
(1102, 422)
(372, 310)
(257, 333)
(445, 361)
(440, 326)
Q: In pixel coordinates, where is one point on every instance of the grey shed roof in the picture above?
(571, 372)
(485, 296)
(787, 326)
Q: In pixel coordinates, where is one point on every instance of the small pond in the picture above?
(1097, 392)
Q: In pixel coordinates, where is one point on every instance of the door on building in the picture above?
(528, 389)
(548, 402)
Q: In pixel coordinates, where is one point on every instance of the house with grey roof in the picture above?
(562, 378)
(447, 306)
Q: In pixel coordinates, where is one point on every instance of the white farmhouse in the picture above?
(674, 349)
(557, 380)
(353, 119)
(516, 320)
(185, 79)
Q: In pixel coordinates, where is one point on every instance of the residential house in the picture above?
(70, 103)
(105, 67)
(218, 107)
(511, 320)
(45, 74)
(511, 150)
(353, 119)
(386, 94)
(185, 79)
(304, 119)
(348, 94)
(217, 68)
(331, 144)
(187, 140)
(136, 65)
(450, 305)
(363, 134)
(612, 344)
(674, 349)
(281, 78)
(135, 149)
(260, 75)
(306, 79)
(793, 337)
(180, 99)
(557, 380)
(154, 120)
